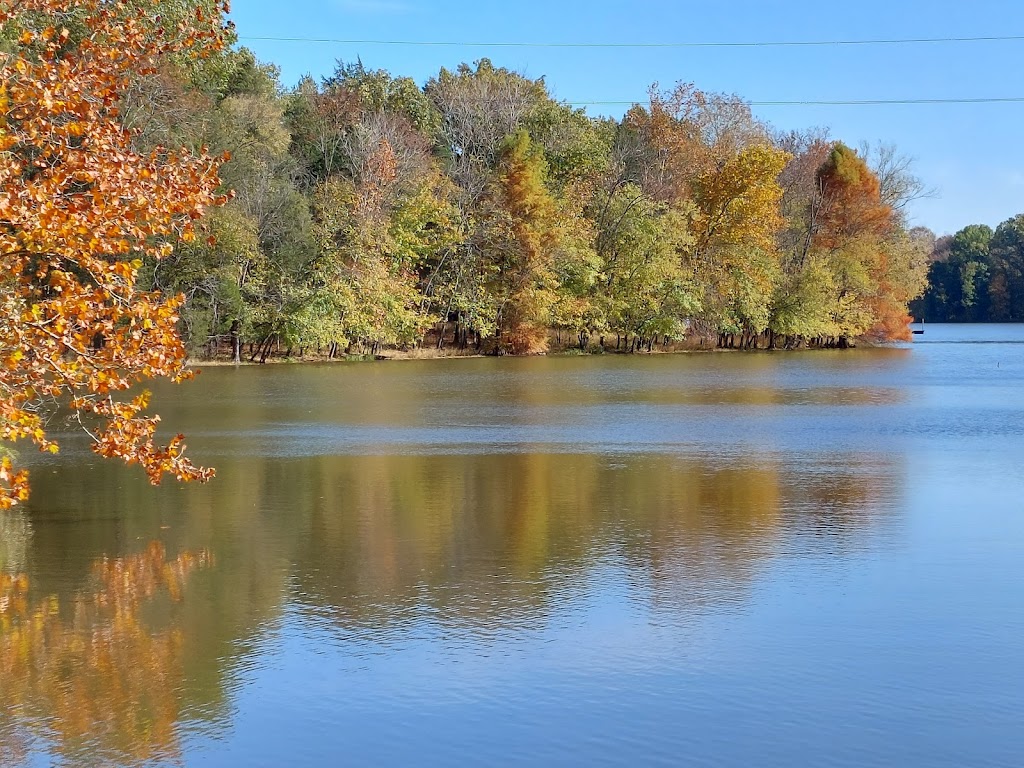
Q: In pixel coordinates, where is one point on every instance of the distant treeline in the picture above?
(370, 212)
(976, 276)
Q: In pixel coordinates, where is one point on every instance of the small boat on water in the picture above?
(918, 331)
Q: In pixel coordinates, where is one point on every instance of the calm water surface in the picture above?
(729, 560)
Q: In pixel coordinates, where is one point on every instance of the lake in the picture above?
(730, 559)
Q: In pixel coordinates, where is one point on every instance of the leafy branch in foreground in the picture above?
(80, 208)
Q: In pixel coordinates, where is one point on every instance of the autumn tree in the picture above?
(801, 202)
(735, 224)
(704, 155)
(877, 268)
(384, 226)
(1006, 286)
(225, 274)
(318, 120)
(853, 208)
(80, 208)
(519, 234)
(377, 91)
(365, 290)
(801, 305)
(682, 135)
(479, 108)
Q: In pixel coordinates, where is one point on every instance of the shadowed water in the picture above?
(711, 559)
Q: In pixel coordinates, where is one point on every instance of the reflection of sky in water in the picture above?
(729, 559)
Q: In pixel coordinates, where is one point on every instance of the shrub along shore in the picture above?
(456, 346)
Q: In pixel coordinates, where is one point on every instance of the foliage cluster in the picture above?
(84, 204)
(371, 213)
(162, 195)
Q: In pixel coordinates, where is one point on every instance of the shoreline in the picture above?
(433, 354)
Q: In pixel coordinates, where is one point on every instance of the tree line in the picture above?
(478, 212)
(976, 275)
(162, 194)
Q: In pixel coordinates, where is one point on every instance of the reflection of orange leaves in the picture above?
(80, 206)
(99, 677)
(127, 582)
(13, 599)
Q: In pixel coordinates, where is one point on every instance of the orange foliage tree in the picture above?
(523, 235)
(878, 268)
(80, 208)
(853, 205)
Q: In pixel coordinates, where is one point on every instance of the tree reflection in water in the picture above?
(446, 555)
(92, 676)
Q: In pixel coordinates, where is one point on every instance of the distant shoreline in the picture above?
(566, 352)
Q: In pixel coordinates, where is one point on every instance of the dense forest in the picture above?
(162, 195)
(976, 275)
(477, 212)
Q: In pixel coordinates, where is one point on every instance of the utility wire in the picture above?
(762, 44)
(722, 44)
(832, 103)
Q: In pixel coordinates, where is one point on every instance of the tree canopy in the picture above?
(976, 275)
(163, 196)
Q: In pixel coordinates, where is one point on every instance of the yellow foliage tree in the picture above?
(735, 225)
(99, 675)
(522, 235)
(79, 210)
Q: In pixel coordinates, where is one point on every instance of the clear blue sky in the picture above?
(970, 153)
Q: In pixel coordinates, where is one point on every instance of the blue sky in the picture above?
(970, 153)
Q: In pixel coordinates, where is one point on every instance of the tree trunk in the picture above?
(236, 342)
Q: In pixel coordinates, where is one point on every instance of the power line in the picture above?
(720, 44)
(763, 44)
(828, 103)
(783, 103)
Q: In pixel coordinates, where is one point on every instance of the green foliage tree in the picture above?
(1006, 285)
(644, 288)
(958, 278)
